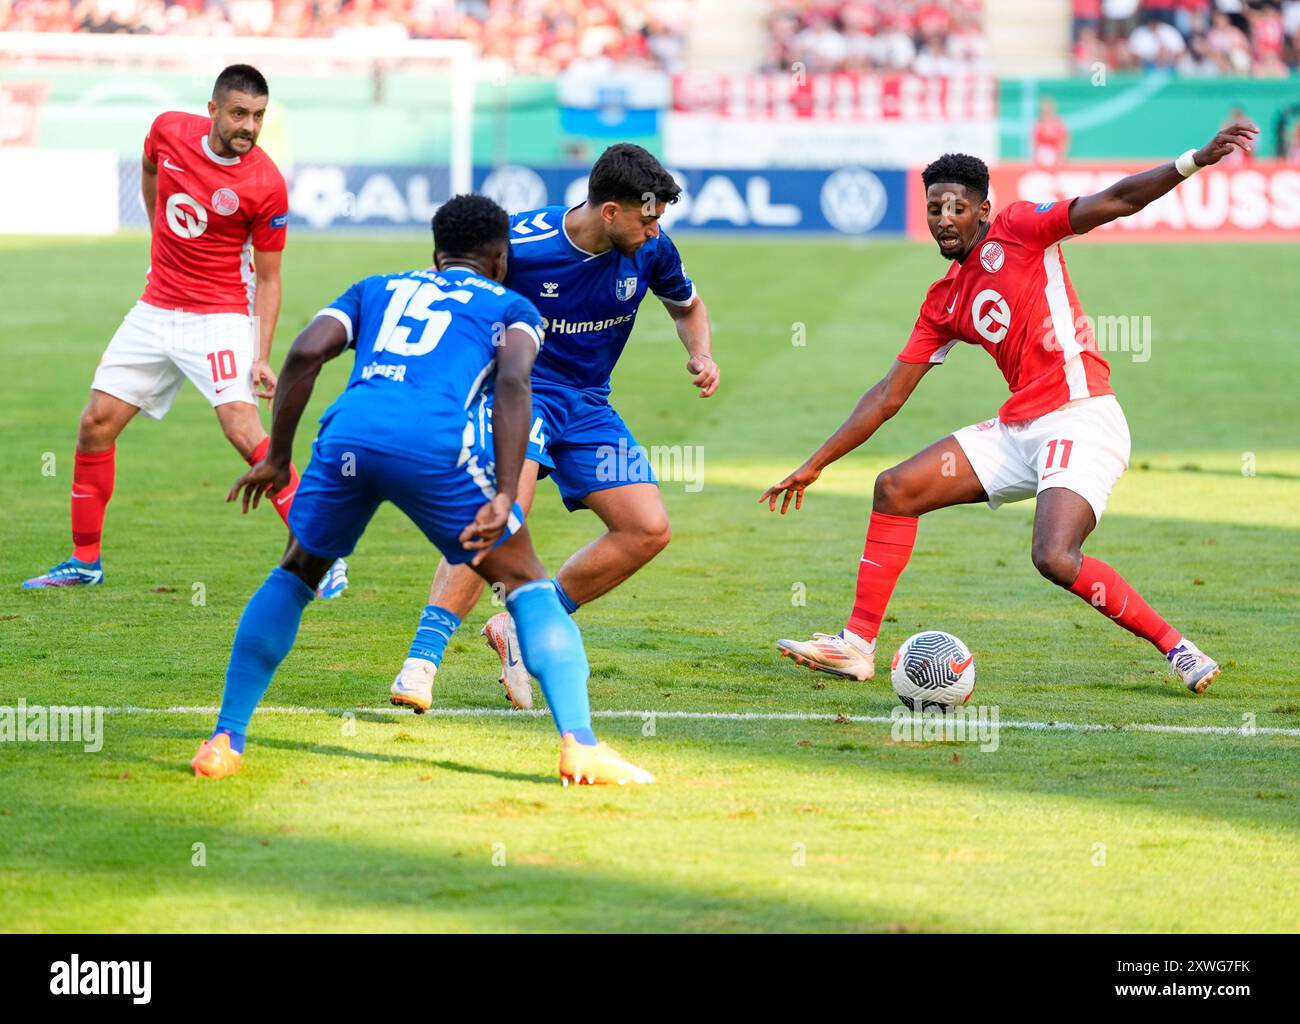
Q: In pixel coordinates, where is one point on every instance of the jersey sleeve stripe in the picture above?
(528, 329)
(941, 353)
(678, 302)
(341, 317)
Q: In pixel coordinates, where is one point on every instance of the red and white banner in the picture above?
(1255, 202)
(827, 120)
(785, 95)
(20, 112)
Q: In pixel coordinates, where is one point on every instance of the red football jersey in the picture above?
(212, 212)
(1013, 297)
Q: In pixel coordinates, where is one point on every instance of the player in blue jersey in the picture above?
(587, 269)
(410, 428)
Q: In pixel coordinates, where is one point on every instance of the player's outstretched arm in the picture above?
(512, 414)
(692, 323)
(320, 341)
(873, 409)
(1129, 195)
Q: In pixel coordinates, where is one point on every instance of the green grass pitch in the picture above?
(367, 820)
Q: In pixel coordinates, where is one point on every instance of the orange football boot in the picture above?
(215, 759)
(600, 765)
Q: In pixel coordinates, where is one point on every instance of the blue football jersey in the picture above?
(588, 301)
(425, 345)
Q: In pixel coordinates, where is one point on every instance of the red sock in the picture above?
(889, 545)
(1104, 589)
(92, 486)
(283, 498)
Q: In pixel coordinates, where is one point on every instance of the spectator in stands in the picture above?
(1156, 44)
(532, 35)
(928, 37)
(1228, 46)
(1118, 18)
(1213, 37)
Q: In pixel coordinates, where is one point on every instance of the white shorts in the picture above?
(1082, 446)
(155, 349)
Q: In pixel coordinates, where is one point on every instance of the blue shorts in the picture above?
(580, 440)
(345, 483)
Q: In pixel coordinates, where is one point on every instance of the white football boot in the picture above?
(850, 657)
(500, 634)
(413, 687)
(1196, 668)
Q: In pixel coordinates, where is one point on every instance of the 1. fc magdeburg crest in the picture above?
(625, 288)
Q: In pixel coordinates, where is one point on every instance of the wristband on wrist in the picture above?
(1186, 164)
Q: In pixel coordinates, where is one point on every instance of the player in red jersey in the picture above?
(208, 311)
(1061, 435)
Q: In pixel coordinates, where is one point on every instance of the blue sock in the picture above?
(266, 633)
(552, 650)
(237, 739)
(436, 627)
(566, 602)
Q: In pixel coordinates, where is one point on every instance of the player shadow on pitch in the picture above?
(280, 865)
(333, 750)
(336, 751)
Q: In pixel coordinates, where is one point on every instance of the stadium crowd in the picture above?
(543, 36)
(928, 37)
(1190, 37)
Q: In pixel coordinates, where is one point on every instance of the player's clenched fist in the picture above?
(1237, 135)
(793, 487)
(706, 374)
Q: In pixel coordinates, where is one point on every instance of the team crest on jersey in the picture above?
(224, 201)
(992, 257)
(625, 288)
(550, 290)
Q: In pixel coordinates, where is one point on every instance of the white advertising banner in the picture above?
(58, 192)
(692, 140)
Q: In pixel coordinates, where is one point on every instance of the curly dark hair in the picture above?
(627, 173)
(959, 169)
(240, 78)
(469, 223)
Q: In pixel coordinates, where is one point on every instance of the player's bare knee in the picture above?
(655, 537)
(1056, 562)
(96, 430)
(890, 495)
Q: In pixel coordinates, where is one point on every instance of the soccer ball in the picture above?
(933, 671)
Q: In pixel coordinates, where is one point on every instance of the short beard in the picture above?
(229, 142)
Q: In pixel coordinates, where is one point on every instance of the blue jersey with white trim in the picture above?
(425, 345)
(588, 301)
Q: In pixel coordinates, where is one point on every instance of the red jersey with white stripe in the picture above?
(1012, 296)
(212, 212)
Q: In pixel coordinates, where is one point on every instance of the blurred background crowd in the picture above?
(927, 37)
(541, 36)
(1190, 37)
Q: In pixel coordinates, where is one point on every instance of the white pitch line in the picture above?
(730, 716)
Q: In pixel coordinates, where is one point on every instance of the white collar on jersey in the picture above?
(564, 226)
(224, 161)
